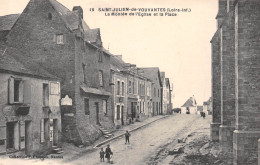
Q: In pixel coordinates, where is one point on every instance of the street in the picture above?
(146, 142)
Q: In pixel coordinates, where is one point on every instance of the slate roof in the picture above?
(69, 17)
(189, 103)
(7, 21)
(94, 90)
(92, 35)
(9, 63)
(117, 63)
(152, 73)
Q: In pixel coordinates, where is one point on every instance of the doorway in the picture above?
(122, 115)
(133, 109)
(97, 112)
(10, 135)
(55, 132)
(27, 136)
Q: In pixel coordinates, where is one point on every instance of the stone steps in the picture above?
(105, 132)
(56, 150)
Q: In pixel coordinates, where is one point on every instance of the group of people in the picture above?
(108, 152)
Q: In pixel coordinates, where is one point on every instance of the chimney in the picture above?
(79, 10)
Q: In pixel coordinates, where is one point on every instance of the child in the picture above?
(127, 135)
(102, 155)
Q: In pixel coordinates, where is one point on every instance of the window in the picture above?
(154, 92)
(123, 88)
(118, 112)
(118, 87)
(59, 39)
(158, 93)
(84, 72)
(105, 106)
(143, 106)
(100, 76)
(17, 91)
(45, 95)
(86, 106)
(100, 56)
(140, 110)
(130, 87)
(49, 16)
(133, 87)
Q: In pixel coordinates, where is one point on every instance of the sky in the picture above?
(178, 45)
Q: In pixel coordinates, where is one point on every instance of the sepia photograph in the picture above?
(130, 82)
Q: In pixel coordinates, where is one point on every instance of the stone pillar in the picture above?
(215, 59)
(227, 53)
(247, 59)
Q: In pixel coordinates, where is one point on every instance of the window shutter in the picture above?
(54, 38)
(51, 130)
(27, 92)
(21, 92)
(42, 130)
(11, 90)
(22, 135)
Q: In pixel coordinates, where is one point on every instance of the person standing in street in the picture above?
(102, 155)
(108, 153)
(127, 135)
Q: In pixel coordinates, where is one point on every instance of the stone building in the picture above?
(58, 40)
(169, 95)
(189, 107)
(154, 75)
(30, 118)
(207, 106)
(119, 90)
(166, 94)
(235, 79)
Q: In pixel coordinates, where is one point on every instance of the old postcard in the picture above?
(129, 82)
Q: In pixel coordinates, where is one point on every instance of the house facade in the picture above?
(30, 116)
(189, 107)
(119, 91)
(168, 95)
(59, 40)
(154, 75)
(207, 106)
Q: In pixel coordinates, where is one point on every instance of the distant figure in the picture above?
(203, 115)
(102, 155)
(127, 135)
(108, 153)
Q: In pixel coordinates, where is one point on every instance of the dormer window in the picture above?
(100, 56)
(49, 16)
